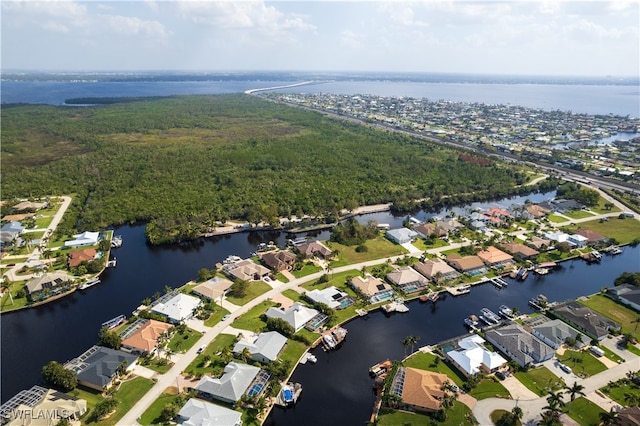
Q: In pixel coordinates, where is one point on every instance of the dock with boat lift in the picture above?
(289, 394)
(459, 290)
(396, 305)
(498, 282)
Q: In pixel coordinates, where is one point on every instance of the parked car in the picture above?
(500, 375)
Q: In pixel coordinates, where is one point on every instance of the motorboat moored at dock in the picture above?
(490, 317)
(505, 311)
(472, 322)
(89, 283)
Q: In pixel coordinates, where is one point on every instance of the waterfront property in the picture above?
(585, 319)
(314, 248)
(330, 296)
(627, 294)
(10, 232)
(236, 380)
(213, 288)
(245, 270)
(556, 332)
(47, 284)
(75, 258)
(143, 335)
(85, 239)
(298, 315)
(437, 270)
(471, 265)
(401, 235)
(520, 250)
(98, 366)
(471, 357)
(281, 260)
(495, 258)
(372, 287)
(264, 348)
(419, 390)
(176, 307)
(199, 413)
(427, 230)
(519, 345)
(407, 279)
(40, 406)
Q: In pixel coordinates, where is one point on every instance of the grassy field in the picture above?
(582, 362)
(376, 249)
(293, 295)
(489, 388)
(251, 320)
(308, 269)
(578, 214)
(459, 415)
(128, 394)
(620, 391)
(540, 380)
(152, 415)
(617, 312)
(160, 365)
(427, 361)
(600, 207)
(183, 342)
(292, 352)
(197, 366)
(622, 230)
(254, 290)
(420, 244)
(584, 411)
(216, 316)
(556, 218)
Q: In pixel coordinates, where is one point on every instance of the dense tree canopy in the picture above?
(632, 278)
(185, 163)
(54, 374)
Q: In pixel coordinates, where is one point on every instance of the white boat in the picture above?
(505, 311)
(471, 321)
(90, 283)
(287, 394)
(329, 341)
(116, 241)
(616, 250)
(490, 317)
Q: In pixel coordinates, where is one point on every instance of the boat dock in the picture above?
(396, 306)
(116, 241)
(498, 282)
(111, 263)
(308, 357)
(289, 394)
(431, 297)
(362, 312)
(332, 338)
(381, 369)
(540, 302)
(89, 283)
(114, 322)
(461, 289)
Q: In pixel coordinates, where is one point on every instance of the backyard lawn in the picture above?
(540, 380)
(584, 411)
(582, 362)
(216, 316)
(622, 230)
(459, 415)
(251, 320)
(578, 214)
(427, 361)
(197, 366)
(556, 218)
(376, 249)
(254, 290)
(617, 312)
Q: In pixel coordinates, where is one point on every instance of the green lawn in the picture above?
(615, 311)
(10, 303)
(427, 361)
(540, 380)
(612, 356)
(183, 342)
(160, 365)
(420, 244)
(619, 389)
(622, 230)
(216, 316)
(293, 351)
(254, 290)
(556, 218)
(488, 388)
(280, 277)
(376, 249)
(92, 397)
(339, 280)
(197, 368)
(251, 320)
(293, 295)
(308, 269)
(582, 362)
(584, 411)
(129, 393)
(600, 207)
(459, 415)
(152, 415)
(578, 214)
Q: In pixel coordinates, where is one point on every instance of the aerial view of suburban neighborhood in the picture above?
(389, 247)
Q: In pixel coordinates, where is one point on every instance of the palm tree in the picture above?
(631, 399)
(555, 404)
(636, 321)
(414, 340)
(406, 342)
(608, 418)
(517, 412)
(245, 354)
(226, 354)
(574, 390)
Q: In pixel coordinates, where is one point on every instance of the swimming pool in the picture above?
(255, 389)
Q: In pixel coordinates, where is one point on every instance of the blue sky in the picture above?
(593, 38)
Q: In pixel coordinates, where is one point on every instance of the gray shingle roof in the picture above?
(100, 367)
(267, 346)
(519, 344)
(232, 385)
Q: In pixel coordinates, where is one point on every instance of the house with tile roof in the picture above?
(495, 258)
(585, 319)
(236, 380)
(437, 270)
(314, 249)
(281, 260)
(264, 348)
(407, 279)
(76, 257)
(245, 270)
(372, 287)
(471, 357)
(30, 205)
(519, 345)
(427, 230)
(144, 339)
(593, 238)
(419, 390)
(212, 289)
(471, 265)
(201, 413)
(556, 332)
(520, 250)
(298, 315)
(99, 366)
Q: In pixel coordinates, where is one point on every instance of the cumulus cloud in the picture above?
(128, 25)
(351, 40)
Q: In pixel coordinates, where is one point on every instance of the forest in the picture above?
(183, 164)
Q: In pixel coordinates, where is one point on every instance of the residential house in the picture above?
(75, 258)
(419, 390)
(17, 217)
(627, 294)
(84, 239)
(236, 380)
(23, 205)
(298, 315)
(407, 279)
(99, 366)
(212, 289)
(478, 225)
(556, 332)
(471, 357)
(539, 243)
(519, 345)
(437, 270)
(401, 235)
(585, 319)
(330, 296)
(520, 251)
(201, 413)
(40, 406)
(593, 238)
(314, 249)
(9, 232)
(449, 225)
(537, 211)
(628, 416)
(51, 282)
(281, 260)
(577, 240)
(471, 265)
(265, 348)
(176, 307)
(563, 206)
(374, 288)
(245, 270)
(495, 258)
(427, 230)
(143, 335)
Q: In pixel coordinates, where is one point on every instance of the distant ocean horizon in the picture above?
(597, 96)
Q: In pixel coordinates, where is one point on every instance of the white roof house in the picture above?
(200, 413)
(176, 307)
(84, 239)
(234, 382)
(297, 315)
(401, 235)
(265, 348)
(472, 357)
(558, 236)
(578, 240)
(330, 296)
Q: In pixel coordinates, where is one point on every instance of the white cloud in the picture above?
(351, 40)
(127, 25)
(55, 27)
